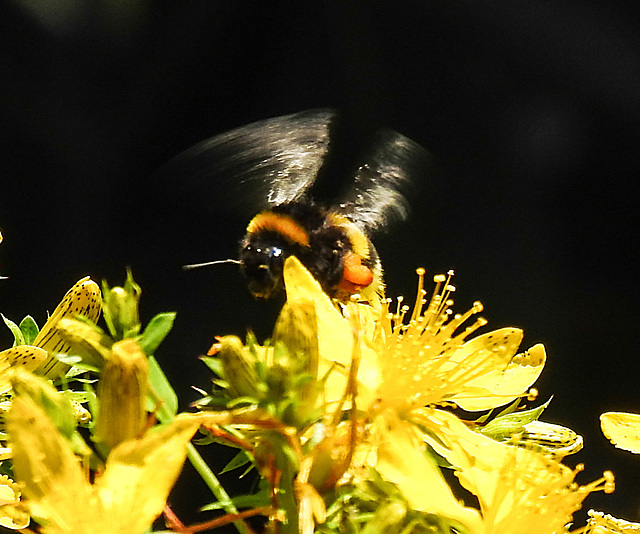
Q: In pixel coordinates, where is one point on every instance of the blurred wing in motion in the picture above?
(376, 196)
(263, 164)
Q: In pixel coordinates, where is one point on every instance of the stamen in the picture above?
(417, 309)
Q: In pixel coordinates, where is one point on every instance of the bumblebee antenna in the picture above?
(207, 263)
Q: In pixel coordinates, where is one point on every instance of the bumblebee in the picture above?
(276, 161)
(336, 252)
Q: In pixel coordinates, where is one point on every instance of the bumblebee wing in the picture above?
(264, 163)
(376, 195)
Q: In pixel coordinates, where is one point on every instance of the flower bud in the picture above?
(296, 366)
(238, 367)
(121, 308)
(122, 393)
(297, 329)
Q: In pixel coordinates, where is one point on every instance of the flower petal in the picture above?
(520, 491)
(335, 334)
(504, 384)
(401, 460)
(24, 356)
(140, 473)
(52, 480)
(622, 429)
(84, 298)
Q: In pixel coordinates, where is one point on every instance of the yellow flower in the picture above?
(410, 362)
(126, 497)
(423, 362)
(429, 360)
(520, 490)
(12, 513)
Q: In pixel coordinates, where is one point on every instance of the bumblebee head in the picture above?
(262, 261)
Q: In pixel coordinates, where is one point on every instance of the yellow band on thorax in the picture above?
(358, 240)
(282, 224)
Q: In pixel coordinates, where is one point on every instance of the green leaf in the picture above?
(257, 500)
(29, 329)
(163, 392)
(155, 332)
(18, 336)
(240, 459)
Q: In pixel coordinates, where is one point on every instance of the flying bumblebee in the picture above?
(277, 161)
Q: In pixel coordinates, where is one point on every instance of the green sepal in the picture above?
(213, 363)
(155, 332)
(162, 397)
(239, 460)
(29, 329)
(18, 336)
(504, 426)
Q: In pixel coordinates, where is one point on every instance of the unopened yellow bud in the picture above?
(297, 329)
(238, 367)
(121, 308)
(122, 393)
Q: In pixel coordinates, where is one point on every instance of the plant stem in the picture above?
(214, 485)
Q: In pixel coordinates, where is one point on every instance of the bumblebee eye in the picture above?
(275, 251)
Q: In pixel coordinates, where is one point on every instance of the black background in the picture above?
(531, 110)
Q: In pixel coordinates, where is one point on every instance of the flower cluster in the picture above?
(358, 417)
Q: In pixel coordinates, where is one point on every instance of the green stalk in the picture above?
(286, 494)
(214, 485)
(167, 403)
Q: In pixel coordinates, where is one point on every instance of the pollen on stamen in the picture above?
(532, 394)
(421, 293)
(609, 482)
